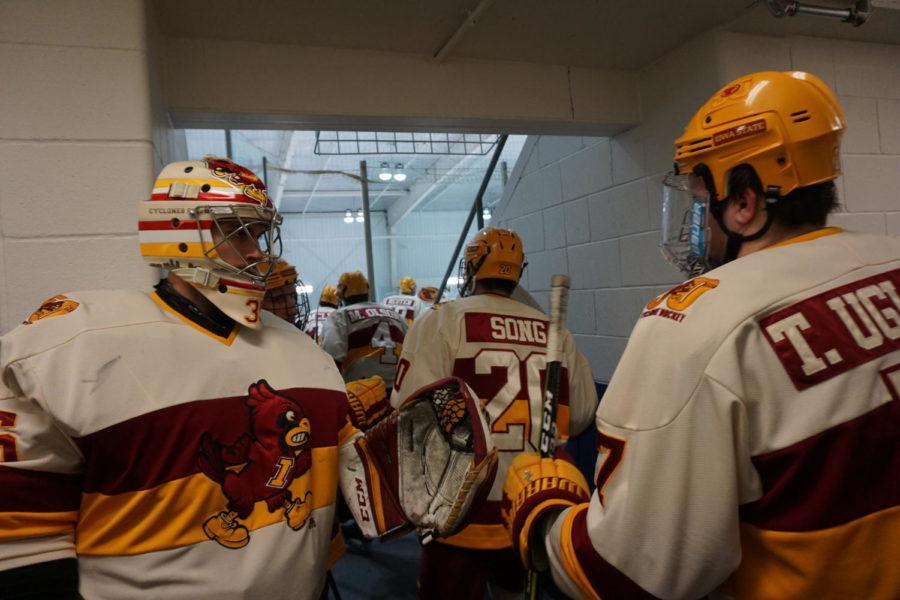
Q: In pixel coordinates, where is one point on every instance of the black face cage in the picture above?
(290, 302)
(466, 275)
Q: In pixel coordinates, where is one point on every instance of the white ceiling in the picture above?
(623, 34)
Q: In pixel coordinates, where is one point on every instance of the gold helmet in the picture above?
(786, 126)
(492, 254)
(408, 286)
(329, 296)
(351, 284)
(286, 296)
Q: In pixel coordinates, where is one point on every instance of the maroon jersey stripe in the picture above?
(607, 581)
(164, 445)
(505, 329)
(169, 226)
(38, 491)
(841, 474)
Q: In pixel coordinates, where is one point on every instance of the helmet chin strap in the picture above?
(736, 240)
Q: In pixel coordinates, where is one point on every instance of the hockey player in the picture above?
(282, 298)
(498, 346)
(363, 337)
(185, 444)
(749, 436)
(406, 303)
(328, 303)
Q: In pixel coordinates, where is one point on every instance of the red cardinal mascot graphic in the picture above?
(259, 465)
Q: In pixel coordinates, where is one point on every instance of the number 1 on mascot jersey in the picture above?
(559, 296)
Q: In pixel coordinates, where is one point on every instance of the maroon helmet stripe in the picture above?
(163, 445)
(841, 474)
(168, 226)
(38, 491)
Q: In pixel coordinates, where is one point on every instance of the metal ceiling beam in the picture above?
(432, 190)
(340, 193)
(284, 160)
(471, 21)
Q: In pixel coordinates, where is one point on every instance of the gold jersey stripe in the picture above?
(20, 525)
(838, 562)
(483, 537)
(171, 515)
(225, 340)
(569, 559)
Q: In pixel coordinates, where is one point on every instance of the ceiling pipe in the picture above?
(470, 22)
(856, 15)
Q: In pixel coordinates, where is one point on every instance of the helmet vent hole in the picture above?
(801, 119)
(223, 288)
(176, 223)
(781, 161)
(188, 169)
(708, 119)
(205, 187)
(800, 116)
(183, 247)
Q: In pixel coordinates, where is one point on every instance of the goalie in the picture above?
(186, 444)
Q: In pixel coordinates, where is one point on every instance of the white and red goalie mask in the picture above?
(199, 216)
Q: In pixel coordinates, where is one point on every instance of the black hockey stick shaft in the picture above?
(559, 297)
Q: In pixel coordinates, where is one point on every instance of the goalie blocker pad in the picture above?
(426, 465)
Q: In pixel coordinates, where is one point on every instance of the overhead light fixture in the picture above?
(856, 14)
(304, 289)
(348, 216)
(360, 217)
(486, 214)
(385, 174)
(399, 175)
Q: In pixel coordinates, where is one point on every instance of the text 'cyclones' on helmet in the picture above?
(352, 283)
(787, 126)
(199, 216)
(492, 253)
(407, 285)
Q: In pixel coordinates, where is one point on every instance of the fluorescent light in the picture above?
(360, 217)
(348, 216)
(486, 214)
(400, 176)
(384, 176)
(305, 289)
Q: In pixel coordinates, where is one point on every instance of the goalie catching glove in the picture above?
(534, 486)
(425, 465)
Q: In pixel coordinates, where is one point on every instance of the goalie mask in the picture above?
(211, 223)
(428, 464)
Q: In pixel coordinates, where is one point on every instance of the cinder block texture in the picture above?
(893, 223)
(643, 263)
(595, 265)
(54, 189)
(739, 54)
(552, 149)
(73, 93)
(531, 229)
(603, 352)
(91, 23)
(619, 211)
(872, 183)
(814, 55)
(862, 222)
(581, 317)
(539, 189)
(868, 70)
(618, 310)
(587, 171)
(543, 265)
(44, 268)
(861, 135)
(577, 221)
(889, 125)
(554, 228)
(627, 156)
(4, 290)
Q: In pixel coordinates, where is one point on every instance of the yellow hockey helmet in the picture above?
(352, 283)
(329, 296)
(492, 254)
(285, 294)
(408, 285)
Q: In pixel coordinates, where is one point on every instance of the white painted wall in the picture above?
(82, 131)
(590, 206)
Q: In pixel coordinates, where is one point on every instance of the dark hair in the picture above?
(356, 299)
(808, 205)
(503, 286)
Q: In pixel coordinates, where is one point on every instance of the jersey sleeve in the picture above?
(663, 520)
(426, 356)
(334, 336)
(40, 481)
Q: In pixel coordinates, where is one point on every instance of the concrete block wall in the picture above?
(82, 133)
(606, 191)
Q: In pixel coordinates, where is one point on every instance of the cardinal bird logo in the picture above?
(259, 465)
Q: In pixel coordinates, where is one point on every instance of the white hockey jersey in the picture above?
(128, 431)
(315, 325)
(751, 433)
(407, 306)
(497, 346)
(366, 339)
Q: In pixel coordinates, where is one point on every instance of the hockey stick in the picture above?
(559, 297)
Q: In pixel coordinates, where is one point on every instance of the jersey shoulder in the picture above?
(66, 316)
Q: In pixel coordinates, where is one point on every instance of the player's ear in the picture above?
(748, 204)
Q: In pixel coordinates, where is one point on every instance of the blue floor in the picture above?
(378, 569)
